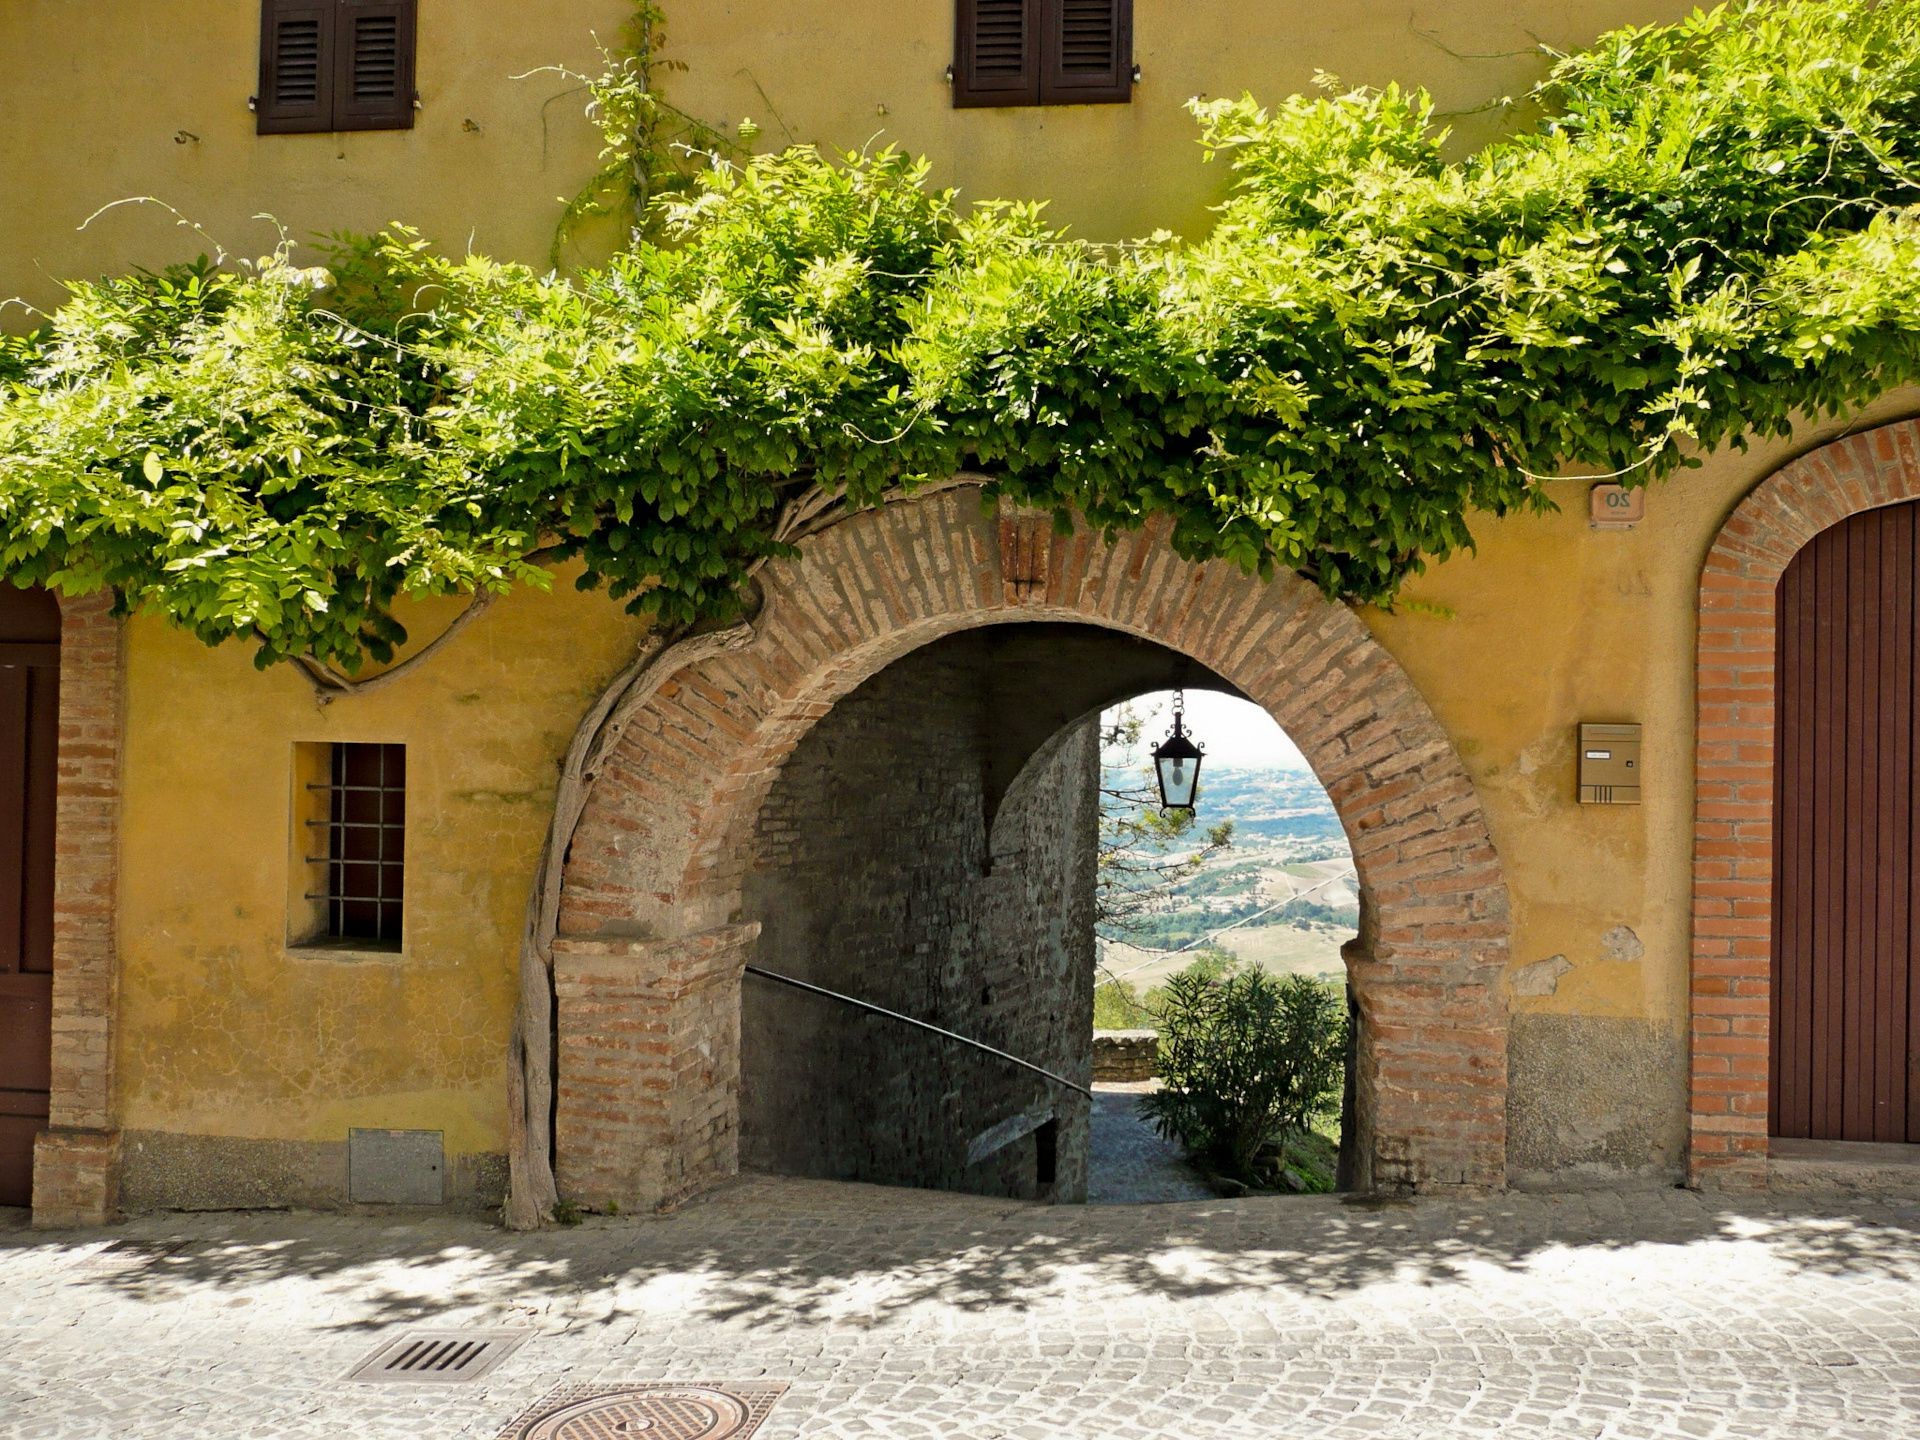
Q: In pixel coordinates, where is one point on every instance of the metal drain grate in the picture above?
(437, 1357)
(663, 1410)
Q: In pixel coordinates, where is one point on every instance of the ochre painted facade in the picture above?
(104, 103)
(227, 1031)
(226, 1028)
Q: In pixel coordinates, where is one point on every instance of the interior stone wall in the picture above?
(879, 872)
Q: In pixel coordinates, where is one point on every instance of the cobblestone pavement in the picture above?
(904, 1314)
(1128, 1163)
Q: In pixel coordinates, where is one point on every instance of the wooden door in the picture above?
(29, 732)
(1846, 995)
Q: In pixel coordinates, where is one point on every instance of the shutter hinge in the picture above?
(253, 103)
(1134, 75)
(948, 74)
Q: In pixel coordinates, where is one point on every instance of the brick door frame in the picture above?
(76, 1159)
(647, 963)
(1731, 984)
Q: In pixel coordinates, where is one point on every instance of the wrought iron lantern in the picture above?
(1176, 761)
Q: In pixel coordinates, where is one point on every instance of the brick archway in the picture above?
(647, 963)
(1731, 1003)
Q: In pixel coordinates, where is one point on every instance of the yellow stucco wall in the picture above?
(227, 1031)
(102, 102)
(1550, 624)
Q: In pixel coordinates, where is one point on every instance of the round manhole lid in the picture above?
(691, 1412)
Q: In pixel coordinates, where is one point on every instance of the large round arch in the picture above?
(1733, 835)
(648, 961)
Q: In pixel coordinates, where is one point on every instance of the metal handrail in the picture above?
(868, 1005)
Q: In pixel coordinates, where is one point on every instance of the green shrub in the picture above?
(1248, 1061)
(1117, 1006)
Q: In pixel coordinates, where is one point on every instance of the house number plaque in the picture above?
(1615, 507)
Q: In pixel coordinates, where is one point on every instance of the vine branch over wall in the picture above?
(330, 683)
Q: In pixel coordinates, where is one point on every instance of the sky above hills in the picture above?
(1237, 734)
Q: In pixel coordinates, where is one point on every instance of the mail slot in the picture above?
(1609, 764)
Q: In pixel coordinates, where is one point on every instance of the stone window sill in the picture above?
(346, 951)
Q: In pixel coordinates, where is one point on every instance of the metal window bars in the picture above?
(366, 828)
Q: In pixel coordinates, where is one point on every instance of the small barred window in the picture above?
(366, 830)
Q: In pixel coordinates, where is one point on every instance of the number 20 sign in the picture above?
(1615, 507)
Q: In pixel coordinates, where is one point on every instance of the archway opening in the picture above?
(935, 847)
(1258, 881)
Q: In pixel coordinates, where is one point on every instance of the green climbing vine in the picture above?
(1707, 238)
(650, 149)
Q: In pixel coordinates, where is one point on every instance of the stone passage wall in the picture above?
(1126, 1055)
(877, 872)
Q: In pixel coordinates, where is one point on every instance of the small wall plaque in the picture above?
(396, 1167)
(1615, 507)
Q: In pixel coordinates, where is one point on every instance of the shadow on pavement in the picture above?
(775, 1252)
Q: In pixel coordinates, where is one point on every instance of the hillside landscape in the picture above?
(1284, 885)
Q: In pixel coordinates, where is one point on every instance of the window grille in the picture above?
(366, 831)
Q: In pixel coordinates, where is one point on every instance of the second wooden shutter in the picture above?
(296, 66)
(1086, 52)
(373, 65)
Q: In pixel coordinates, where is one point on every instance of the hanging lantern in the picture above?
(1176, 761)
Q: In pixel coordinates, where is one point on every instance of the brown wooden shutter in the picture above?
(997, 53)
(296, 66)
(373, 65)
(1086, 52)
(335, 65)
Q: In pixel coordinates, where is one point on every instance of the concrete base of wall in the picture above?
(1594, 1102)
(163, 1171)
(1837, 1167)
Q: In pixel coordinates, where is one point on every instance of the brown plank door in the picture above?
(29, 732)
(1846, 990)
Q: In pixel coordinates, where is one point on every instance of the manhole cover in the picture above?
(437, 1357)
(656, 1411)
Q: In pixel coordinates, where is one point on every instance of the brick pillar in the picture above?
(649, 1066)
(76, 1162)
(1431, 1083)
